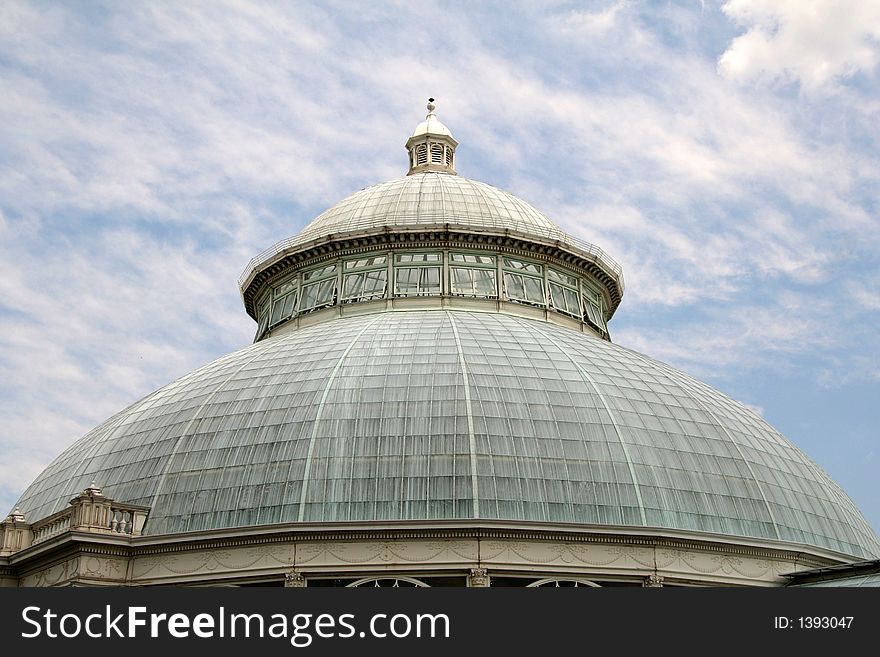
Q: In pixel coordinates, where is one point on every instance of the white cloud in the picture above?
(740, 337)
(813, 42)
(585, 23)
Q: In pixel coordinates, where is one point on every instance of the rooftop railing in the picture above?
(90, 511)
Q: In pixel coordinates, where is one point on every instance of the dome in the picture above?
(443, 415)
(432, 199)
(432, 396)
(431, 125)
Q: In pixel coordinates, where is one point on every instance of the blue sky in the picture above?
(725, 153)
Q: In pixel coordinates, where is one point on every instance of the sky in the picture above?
(725, 153)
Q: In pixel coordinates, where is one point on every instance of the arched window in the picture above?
(449, 152)
(393, 582)
(421, 154)
(560, 583)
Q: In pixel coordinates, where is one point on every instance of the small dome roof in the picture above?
(431, 199)
(431, 125)
(442, 415)
(427, 201)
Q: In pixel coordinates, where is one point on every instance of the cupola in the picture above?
(431, 146)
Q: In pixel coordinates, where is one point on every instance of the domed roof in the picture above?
(432, 199)
(422, 415)
(431, 125)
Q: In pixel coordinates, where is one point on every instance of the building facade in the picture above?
(432, 399)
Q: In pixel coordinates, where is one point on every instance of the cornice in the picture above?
(151, 545)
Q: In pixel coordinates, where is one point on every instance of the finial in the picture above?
(431, 106)
(16, 515)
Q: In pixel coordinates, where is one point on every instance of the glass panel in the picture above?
(590, 293)
(407, 281)
(283, 307)
(352, 286)
(462, 281)
(564, 299)
(375, 283)
(263, 315)
(372, 261)
(284, 288)
(417, 281)
(524, 288)
(322, 272)
(472, 258)
(326, 290)
(369, 285)
(534, 289)
(418, 257)
(263, 307)
(430, 280)
(318, 294)
(571, 302)
(565, 279)
(513, 286)
(593, 313)
(521, 265)
(473, 282)
(484, 283)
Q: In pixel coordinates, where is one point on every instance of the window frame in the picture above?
(567, 284)
(325, 277)
(472, 267)
(400, 264)
(524, 271)
(351, 270)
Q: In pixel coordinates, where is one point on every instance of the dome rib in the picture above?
(733, 441)
(196, 417)
(586, 376)
(472, 439)
(319, 413)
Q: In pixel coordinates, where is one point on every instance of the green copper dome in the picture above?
(438, 414)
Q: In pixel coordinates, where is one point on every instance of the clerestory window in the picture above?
(417, 274)
(318, 288)
(524, 281)
(473, 275)
(564, 293)
(365, 279)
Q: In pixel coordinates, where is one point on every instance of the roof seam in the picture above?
(611, 414)
(472, 439)
(687, 389)
(320, 413)
(192, 420)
